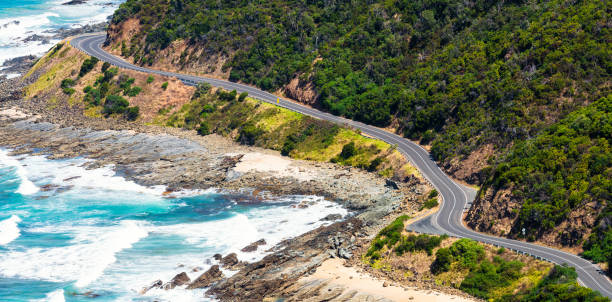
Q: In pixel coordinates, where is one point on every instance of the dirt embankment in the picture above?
(179, 56)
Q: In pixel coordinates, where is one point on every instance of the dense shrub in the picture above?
(249, 133)
(389, 235)
(489, 276)
(430, 203)
(412, 243)
(201, 90)
(227, 96)
(132, 113)
(88, 65)
(565, 167)
(115, 104)
(66, 86)
(203, 129)
(105, 66)
(242, 96)
(561, 285)
(348, 150)
(443, 261)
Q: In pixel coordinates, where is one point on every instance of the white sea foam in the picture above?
(54, 296)
(83, 262)
(273, 224)
(107, 254)
(42, 18)
(9, 230)
(14, 30)
(26, 187)
(72, 173)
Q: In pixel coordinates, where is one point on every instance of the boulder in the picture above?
(253, 246)
(207, 279)
(344, 253)
(391, 184)
(218, 257)
(229, 260)
(331, 217)
(155, 284)
(178, 280)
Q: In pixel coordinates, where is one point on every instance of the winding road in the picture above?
(456, 197)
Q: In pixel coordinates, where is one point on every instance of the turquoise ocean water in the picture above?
(68, 233)
(20, 19)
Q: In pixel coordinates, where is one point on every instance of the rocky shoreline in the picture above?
(181, 159)
(21, 65)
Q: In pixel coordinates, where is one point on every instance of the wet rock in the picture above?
(253, 246)
(74, 2)
(178, 280)
(88, 294)
(229, 260)
(155, 284)
(218, 257)
(331, 217)
(207, 279)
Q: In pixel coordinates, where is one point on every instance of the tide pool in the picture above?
(68, 233)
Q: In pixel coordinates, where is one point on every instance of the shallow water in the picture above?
(66, 231)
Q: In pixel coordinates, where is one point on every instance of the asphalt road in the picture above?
(456, 197)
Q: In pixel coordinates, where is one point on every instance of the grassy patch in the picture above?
(391, 238)
(54, 75)
(265, 125)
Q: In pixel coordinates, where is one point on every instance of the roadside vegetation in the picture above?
(568, 166)
(256, 123)
(456, 76)
(71, 78)
(453, 75)
(489, 273)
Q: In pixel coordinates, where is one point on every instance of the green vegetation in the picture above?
(430, 203)
(125, 83)
(560, 285)
(488, 276)
(456, 75)
(66, 86)
(107, 89)
(391, 238)
(498, 279)
(88, 65)
(150, 79)
(164, 85)
(115, 104)
(105, 66)
(256, 123)
(388, 236)
(598, 247)
(413, 243)
(566, 167)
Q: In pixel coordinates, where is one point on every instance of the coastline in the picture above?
(151, 155)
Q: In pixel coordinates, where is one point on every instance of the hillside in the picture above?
(70, 81)
(483, 271)
(488, 85)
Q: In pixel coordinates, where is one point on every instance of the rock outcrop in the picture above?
(253, 246)
(207, 279)
(178, 280)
